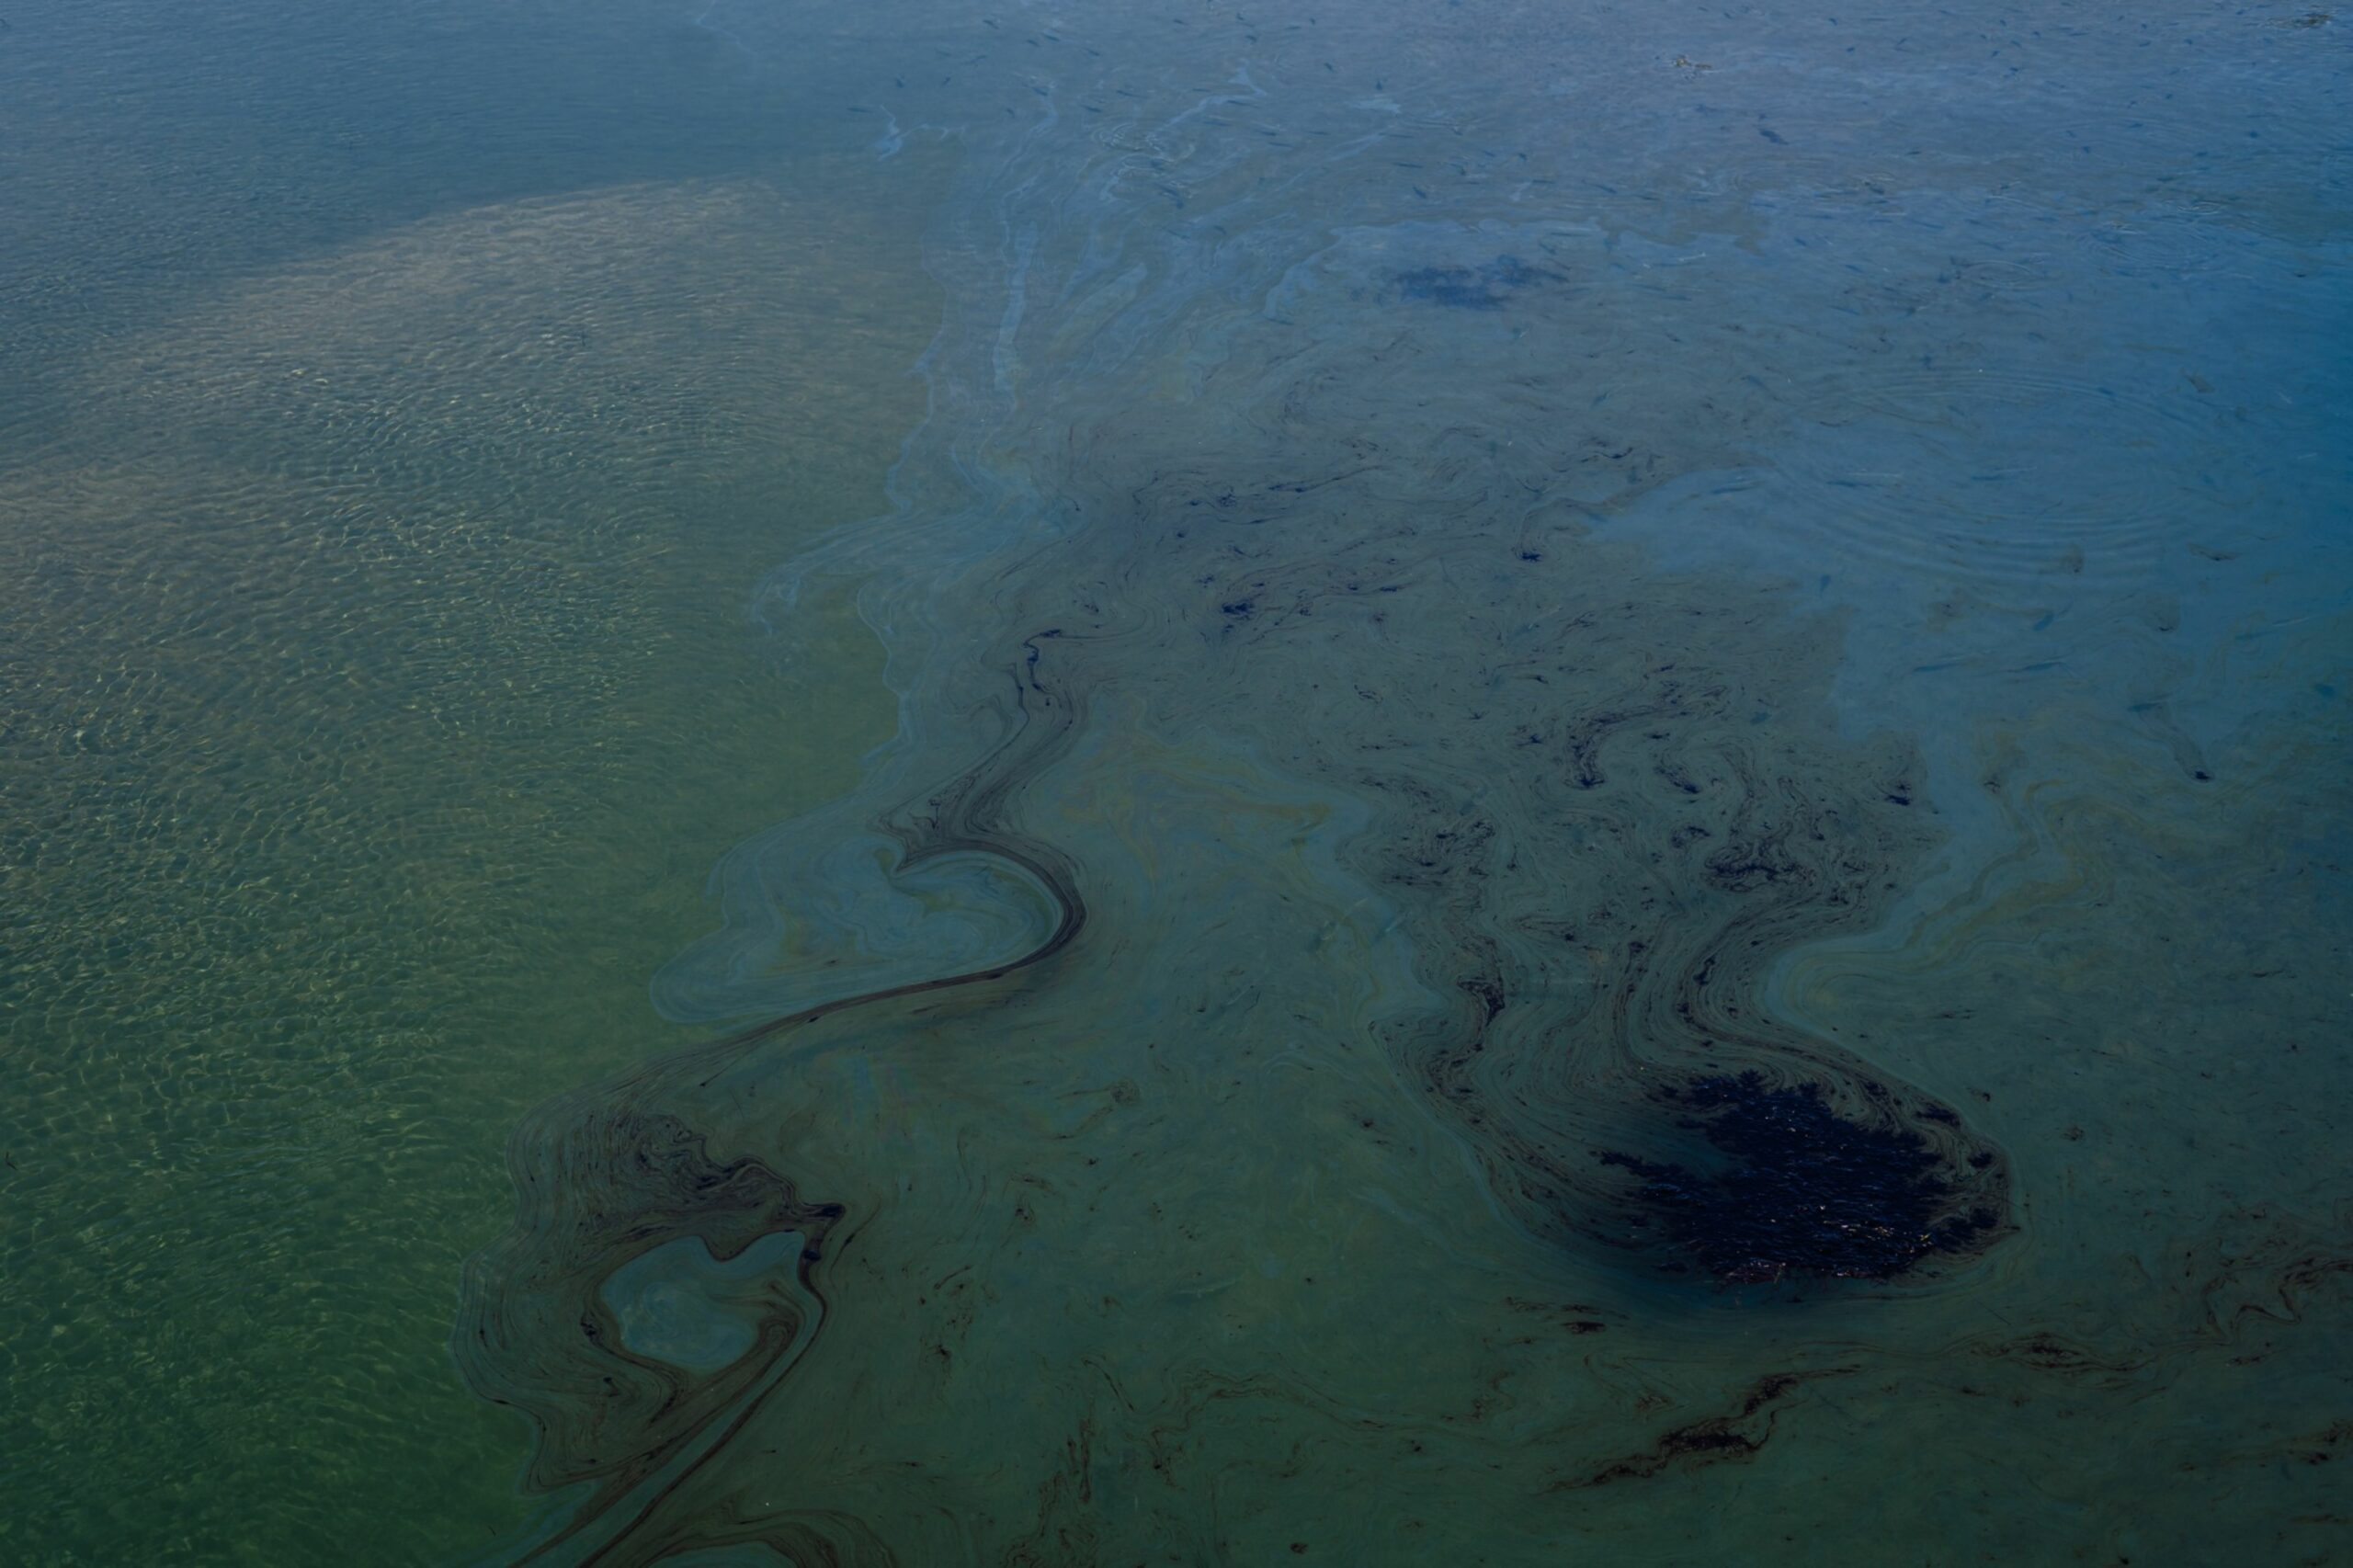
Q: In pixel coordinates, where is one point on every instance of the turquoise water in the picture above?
(1463, 784)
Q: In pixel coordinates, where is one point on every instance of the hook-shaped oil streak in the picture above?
(605, 1175)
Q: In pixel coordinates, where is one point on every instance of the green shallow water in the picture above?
(792, 785)
(380, 695)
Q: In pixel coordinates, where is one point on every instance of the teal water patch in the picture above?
(679, 1304)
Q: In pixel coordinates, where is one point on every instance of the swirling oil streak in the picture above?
(1319, 433)
(648, 1456)
(605, 1176)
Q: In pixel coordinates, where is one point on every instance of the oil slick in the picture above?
(1547, 770)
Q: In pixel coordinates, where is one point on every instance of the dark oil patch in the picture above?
(1484, 288)
(1802, 1190)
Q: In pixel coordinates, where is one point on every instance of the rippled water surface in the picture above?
(1471, 783)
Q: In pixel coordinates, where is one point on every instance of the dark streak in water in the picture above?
(1719, 1439)
(605, 1175)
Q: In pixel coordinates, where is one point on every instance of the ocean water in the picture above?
(1471, 783)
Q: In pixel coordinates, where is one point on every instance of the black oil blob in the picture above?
(1472, 288)
(1802, 1190)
